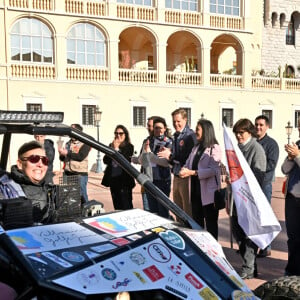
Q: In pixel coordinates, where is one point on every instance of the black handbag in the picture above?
(220, 198)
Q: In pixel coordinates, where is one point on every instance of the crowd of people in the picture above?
(194, 158)
(191, 158)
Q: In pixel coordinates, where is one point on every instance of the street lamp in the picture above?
(97, 119)
(289, 130)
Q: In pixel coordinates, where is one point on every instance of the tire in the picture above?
(285, 288)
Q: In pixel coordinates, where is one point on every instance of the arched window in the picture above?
(274, 19)
(290, 33)
(31, 41)
(282, 20)
(86, 46)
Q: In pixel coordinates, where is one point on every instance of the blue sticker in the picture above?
(173, 239)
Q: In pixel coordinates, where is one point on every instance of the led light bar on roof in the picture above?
(10, 116)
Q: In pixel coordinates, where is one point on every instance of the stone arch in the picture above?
(274, 19)
(137, 48)
(295, 17)
(282, 18)
(231, 46)
(183, 52)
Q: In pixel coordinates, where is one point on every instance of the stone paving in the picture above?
(268, 268)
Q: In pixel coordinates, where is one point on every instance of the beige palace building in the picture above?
(137, 58)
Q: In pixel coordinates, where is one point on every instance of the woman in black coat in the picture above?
(119, 181)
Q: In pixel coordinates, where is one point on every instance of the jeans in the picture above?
(145, 201)
(154, 205)
(83, 188)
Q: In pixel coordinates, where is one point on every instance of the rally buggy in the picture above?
(101, 256)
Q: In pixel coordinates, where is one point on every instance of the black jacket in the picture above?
(37, 193)
(123, 179)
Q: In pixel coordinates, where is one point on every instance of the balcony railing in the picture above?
(74, 6)
(183, 78)
(186, 18)
(45, 5)
(139, 76)
(86, 74)
(19, 3)
(226, 22)
(269, 83)
(220, 80)
(144, 13)
(291, 84)
(33, 71)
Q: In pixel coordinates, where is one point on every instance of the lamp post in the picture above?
(289, 130)
(97, 118)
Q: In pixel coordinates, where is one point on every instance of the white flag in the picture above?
(255, 214)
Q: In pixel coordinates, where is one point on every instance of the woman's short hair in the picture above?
(160, 120)
(29, 146)
(245, 125)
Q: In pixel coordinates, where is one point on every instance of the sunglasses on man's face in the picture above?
(34, 159)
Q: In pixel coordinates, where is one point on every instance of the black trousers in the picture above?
(292, 216)
(206, 216)
(122, 197)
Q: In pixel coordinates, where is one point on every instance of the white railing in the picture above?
(33, 71)
(144, 13)
(140, 76)
(269, 83)
(226, 22)
(291, 84)
(183, 78)
(86, 74)
(221, 80)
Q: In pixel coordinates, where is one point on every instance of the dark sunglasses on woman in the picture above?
(34, 159)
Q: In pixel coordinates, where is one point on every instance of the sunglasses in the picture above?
(34, 159)
(119, 133)
(241, 132)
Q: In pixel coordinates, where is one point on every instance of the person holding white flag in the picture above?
(254, 154)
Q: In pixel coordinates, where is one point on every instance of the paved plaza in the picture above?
(268, 268)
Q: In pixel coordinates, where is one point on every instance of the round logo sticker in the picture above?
(72, 256)
(109, 274)
(159, 252)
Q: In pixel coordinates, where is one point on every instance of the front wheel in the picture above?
(285, 288)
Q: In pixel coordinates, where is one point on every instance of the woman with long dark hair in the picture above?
(119, 181)
(202, 166)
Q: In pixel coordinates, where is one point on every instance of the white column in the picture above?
(205, 66)
(113, 60)
(161, 50)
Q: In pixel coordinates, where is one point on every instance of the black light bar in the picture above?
(11, 116)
